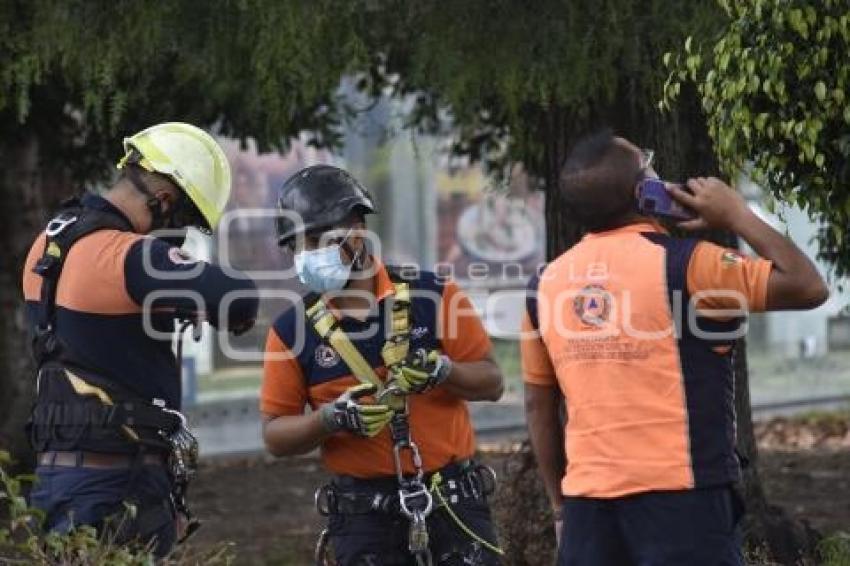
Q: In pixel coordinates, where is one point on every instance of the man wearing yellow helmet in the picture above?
(190, 161)
(104, 285)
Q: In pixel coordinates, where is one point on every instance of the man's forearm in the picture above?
(546, 432)
(291, 435)
(475, 381)
(795, 283)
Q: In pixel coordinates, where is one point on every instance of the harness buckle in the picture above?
(416, 501)
(58, 224)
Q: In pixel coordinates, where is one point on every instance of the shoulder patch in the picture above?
(730, 258)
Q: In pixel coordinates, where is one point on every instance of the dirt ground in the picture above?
(266, 508)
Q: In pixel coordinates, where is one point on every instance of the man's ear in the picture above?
(167, 196)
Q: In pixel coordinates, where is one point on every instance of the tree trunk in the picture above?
(767, 528)
(28, 193)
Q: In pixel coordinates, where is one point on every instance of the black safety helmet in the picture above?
(323, 196)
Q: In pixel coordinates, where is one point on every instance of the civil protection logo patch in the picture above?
(593, 305)
(326, 356)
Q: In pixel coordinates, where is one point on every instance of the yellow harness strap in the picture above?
(85, 389)
(398, 343)
(393, 352)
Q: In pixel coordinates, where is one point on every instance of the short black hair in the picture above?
(597, 181)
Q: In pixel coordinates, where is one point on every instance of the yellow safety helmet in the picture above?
(188, 156)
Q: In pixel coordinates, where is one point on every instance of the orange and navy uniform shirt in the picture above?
(636, 328)
(107, 277)
(301, 370)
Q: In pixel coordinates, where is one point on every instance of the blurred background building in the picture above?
(447, 215)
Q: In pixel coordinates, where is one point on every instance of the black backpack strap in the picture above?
(72, 224)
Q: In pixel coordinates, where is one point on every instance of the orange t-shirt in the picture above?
(635, 327)
(301, 370)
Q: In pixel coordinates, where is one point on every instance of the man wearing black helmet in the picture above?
(386, 361)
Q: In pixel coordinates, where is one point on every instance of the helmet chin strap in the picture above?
(358, 258)
(158, 219)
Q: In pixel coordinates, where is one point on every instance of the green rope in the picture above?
(436, 480)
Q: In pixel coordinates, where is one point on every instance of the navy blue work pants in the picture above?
(695, 528)
(73, 496)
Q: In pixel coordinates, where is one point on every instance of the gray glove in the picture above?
(347, 413)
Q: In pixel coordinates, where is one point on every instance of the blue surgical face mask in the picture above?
(322, 270)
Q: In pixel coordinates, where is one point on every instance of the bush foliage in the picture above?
(23, 541)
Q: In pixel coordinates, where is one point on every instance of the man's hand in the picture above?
(348, 413)
(718, 206)
(422, 370)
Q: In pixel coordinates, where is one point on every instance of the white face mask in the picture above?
(322, 270)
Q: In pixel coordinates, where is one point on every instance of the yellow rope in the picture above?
(436, 479)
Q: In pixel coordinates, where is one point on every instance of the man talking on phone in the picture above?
(635, 331)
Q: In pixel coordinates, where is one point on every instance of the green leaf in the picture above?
(820, 91)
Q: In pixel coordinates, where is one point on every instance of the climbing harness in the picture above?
(455, 484)
(415, 500)
(436, 489)
(92, 405)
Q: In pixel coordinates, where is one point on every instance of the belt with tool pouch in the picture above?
(347, 495)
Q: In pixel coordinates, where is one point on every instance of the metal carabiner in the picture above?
(323, 495)
(320, 554)
(391, 390)
(399, 470)
(417, 460)
(415, 457)
(180, 416)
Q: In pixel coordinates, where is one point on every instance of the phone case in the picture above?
(655, 200)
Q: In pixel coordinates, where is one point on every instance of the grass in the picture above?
(835, 550)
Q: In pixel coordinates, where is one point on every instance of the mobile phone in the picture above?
(655, 200)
